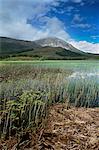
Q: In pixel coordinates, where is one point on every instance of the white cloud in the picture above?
(79, 22)
(76, 1)
(22, 30)
(13, 22)
(77, 18)
(69, 8)
(81, 25)
(95, 36)
(86, 46)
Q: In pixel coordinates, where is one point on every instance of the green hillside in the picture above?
(9, 46)
(51, 53)
(15, 48)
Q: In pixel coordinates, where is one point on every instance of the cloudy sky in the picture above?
(75, 21)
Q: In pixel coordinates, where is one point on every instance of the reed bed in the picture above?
(26, 92)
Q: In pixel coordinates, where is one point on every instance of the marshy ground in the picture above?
(66, 129)
(49, 105)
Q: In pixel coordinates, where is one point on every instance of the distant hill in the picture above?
(9, 46)
(48, 48)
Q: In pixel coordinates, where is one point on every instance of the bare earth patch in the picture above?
(72, 129)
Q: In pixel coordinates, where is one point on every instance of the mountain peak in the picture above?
(56, 42)
(53, 42)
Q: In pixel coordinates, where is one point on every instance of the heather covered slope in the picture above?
(52, 53)
(49, 48)
(9, 46)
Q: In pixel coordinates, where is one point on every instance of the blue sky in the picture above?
(75, 21)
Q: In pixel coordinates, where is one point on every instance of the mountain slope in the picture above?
(55, 42)
(51, 53)
(49, 48)
(14, 46)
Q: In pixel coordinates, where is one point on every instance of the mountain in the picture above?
(13, 46)
(48, 48)
(55, 42)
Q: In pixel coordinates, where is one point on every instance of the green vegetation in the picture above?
(29, 88)
(11, 46)
(13, 49)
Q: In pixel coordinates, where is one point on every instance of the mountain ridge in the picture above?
(56, 42)
(48, 48)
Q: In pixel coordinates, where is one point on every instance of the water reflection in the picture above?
(84, 75)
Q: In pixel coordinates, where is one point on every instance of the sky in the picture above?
(75, 21)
